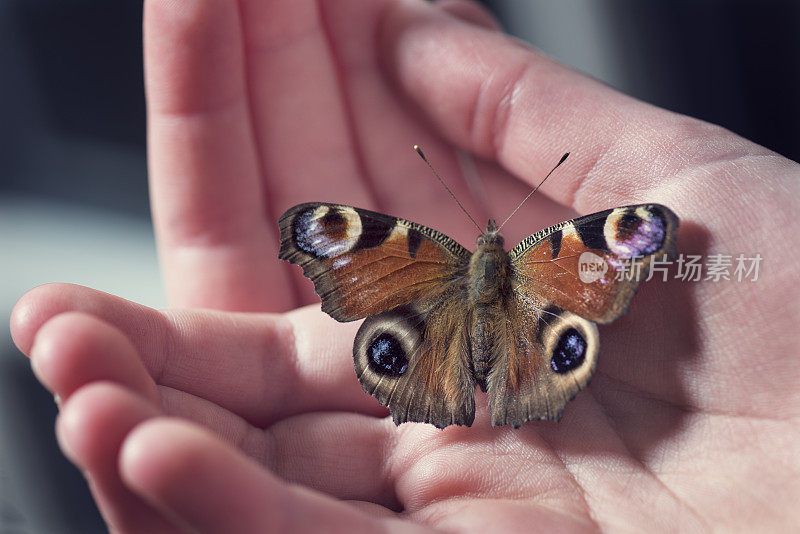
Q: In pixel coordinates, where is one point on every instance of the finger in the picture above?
(484, 188)
(74, 349)
(261, 367)
(299, 114)
(211, 487)
(385, 127)
(217, 237)
(471, 12)
(490, 95)
(91, 428)
(342, 454)
(299, 117)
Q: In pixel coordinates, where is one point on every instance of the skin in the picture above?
(225, 414)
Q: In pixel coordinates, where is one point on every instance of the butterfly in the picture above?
(441, 320)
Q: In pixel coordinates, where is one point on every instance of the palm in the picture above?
(688, 407)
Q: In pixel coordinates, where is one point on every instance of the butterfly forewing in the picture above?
(592, 265)
(362, 262)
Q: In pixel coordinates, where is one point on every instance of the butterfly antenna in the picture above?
(419, 151)
(563, 158)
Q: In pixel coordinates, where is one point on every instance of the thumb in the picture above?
(489, 94)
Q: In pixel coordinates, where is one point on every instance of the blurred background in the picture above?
(73, 185)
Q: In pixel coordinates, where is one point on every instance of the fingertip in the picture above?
(159, 453)
(56, 344)
(30, 312)
(90, 429)
(187, 474)
(68, 431)
(73, 349)
(94, 421)
(53, 339)
(43, 302)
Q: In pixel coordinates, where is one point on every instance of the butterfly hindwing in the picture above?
(362, 262)
(415, 360)
(544, 357)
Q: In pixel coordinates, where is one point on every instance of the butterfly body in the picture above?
(489, 290)
(441, 320)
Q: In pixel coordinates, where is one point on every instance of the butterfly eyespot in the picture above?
(326, 232)
(636, 233)
(386, 356)
(569, 353)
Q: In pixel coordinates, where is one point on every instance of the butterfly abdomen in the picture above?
(483, 341)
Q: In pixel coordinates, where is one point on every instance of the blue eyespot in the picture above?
(386, 356)
(570, 352)
(637, 236)
(321, 236)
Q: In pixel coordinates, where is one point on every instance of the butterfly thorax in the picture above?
(489, 267)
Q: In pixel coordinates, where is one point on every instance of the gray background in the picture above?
(73, 192)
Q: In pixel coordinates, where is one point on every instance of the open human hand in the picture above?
(238, 418)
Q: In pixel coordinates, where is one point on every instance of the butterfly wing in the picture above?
(542, 359)
(583, 265)
(548, 349)
(415, 360)
(363, 263)
(412, 351)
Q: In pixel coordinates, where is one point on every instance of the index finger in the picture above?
(215, 232)
(262, 367)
